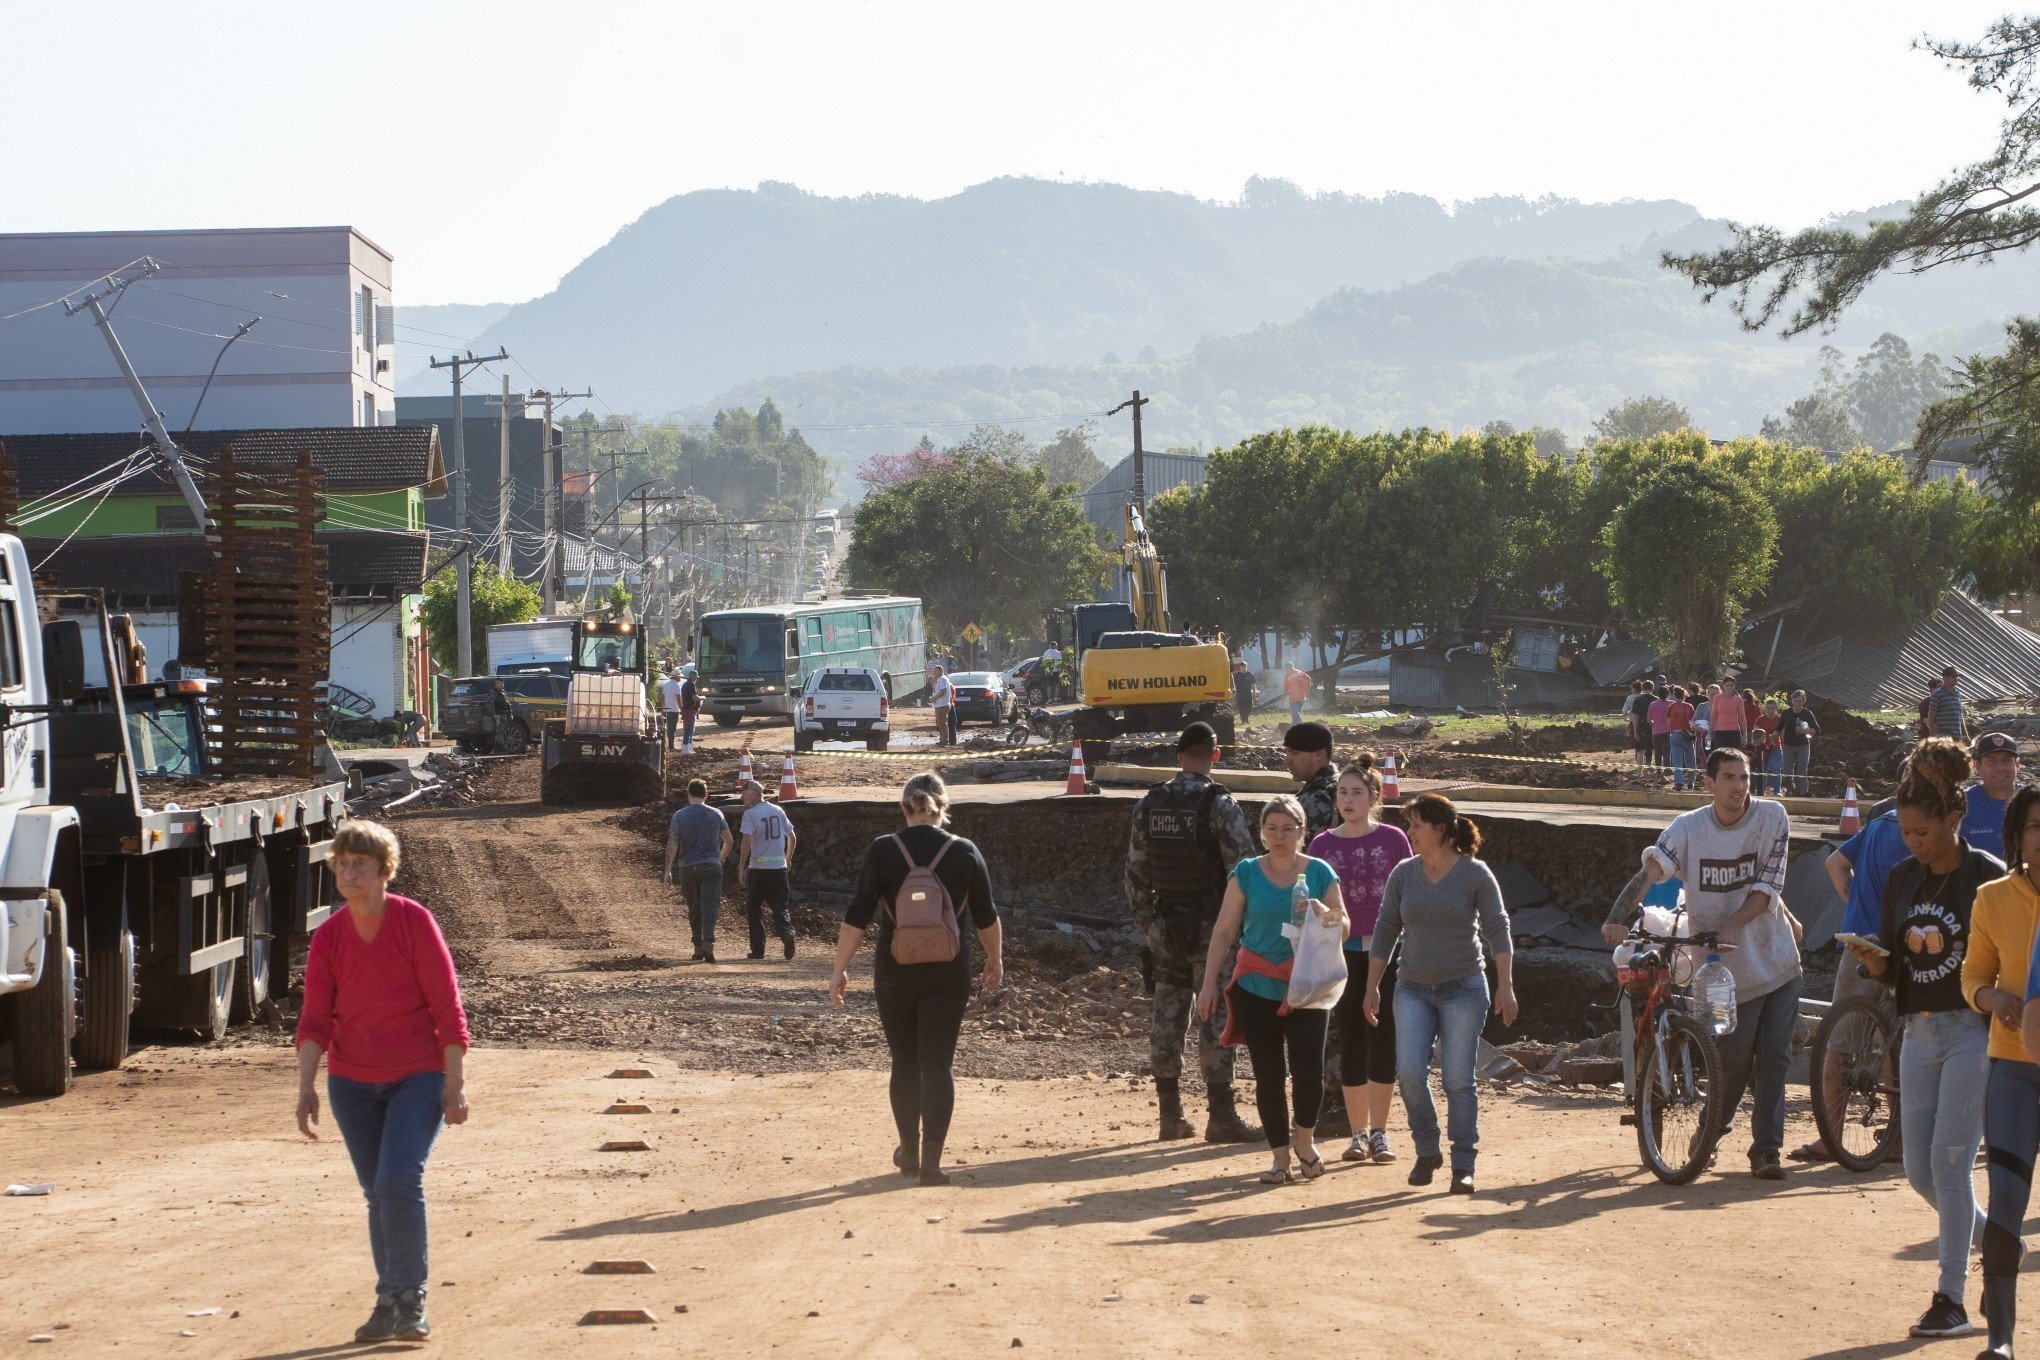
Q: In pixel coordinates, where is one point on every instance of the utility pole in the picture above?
(152, 419)
(503, 480)
(553, 479)
(1139, 479)
(464, 559)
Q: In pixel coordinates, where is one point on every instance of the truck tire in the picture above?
(1223, 725)
(727, 719)
(109, 1002)
(803, 741)
(878, 741)
(251, 986)
(202, 1002)
(46, 1014)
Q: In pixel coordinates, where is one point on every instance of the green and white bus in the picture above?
(755, 661)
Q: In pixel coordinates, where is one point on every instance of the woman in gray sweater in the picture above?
(1441, 905)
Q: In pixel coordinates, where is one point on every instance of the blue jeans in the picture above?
(1755, 1058)
(1774, 766)
(1798, 759)
(1942, 1071)
(389, 1128)
(1451, 1013)
(1295, 712)
(1682, 760)
(2011, 1121)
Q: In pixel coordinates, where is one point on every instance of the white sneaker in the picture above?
(1357, 1150)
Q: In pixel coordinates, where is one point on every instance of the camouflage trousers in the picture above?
(1176, 982)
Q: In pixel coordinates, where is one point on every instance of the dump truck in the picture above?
(609, 744)
(1135, 672)
(140, 887)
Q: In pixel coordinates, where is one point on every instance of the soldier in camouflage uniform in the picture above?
(1187, 835)
(1307, 752)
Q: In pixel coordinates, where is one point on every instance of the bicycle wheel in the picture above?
(1677, 1095)
(1853, 1070)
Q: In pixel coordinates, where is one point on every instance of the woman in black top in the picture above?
(920, 1005)
(1943, 1067)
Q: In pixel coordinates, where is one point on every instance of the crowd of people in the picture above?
(1942, 893)
(1674, 727)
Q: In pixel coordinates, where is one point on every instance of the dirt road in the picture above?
(769, 1212)
(768, 1209)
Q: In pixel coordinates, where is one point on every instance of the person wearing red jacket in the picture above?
(382, 1006)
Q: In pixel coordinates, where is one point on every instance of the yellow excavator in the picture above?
(1135, 673)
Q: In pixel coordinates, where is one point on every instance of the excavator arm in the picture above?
(1147, 583)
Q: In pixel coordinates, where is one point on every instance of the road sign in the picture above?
(972, 635)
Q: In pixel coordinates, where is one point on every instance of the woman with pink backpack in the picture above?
(920, 883)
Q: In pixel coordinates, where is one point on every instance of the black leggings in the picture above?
(922, 1019)
(1366, 1052)
(2011, 1128)
(1267, 1033)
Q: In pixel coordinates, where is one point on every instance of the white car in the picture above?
(843, 703)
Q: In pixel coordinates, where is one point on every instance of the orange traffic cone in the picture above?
(744, 766)
(1391, 787)
(1852, 818)
(1077, 784)
(788, 790)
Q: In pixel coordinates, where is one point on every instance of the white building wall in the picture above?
(368, 653)
(309, 361)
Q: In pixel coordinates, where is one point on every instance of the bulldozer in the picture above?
(1135, 672)
(609, 744)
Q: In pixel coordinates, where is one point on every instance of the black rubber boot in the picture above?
(1224, 1124)
(2000, 1311)
(1175, 1124)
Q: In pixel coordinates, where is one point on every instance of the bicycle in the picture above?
(1853, 1076)
(1671, 1066)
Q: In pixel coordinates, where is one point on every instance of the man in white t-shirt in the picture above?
(669, 704)
(942, 695)
(1731, 857)
(764, 861)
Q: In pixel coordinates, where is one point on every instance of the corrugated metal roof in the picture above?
(354, 458)
(1996, 659)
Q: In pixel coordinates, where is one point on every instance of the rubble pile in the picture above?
(445, 779)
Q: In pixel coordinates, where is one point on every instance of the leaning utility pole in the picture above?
(553, 479)
(1139, 481)
(464, 557)
(152, 419)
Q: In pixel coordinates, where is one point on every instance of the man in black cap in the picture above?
(1187, 835)
(1307, 751)
(1997, 779)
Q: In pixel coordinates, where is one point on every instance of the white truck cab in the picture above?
(843, 703)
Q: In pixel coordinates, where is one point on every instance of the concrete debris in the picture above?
(1520, 888)
(1495, 1065)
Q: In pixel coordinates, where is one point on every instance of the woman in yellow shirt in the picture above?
(1995, 979)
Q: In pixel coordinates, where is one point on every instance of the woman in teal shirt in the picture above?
(1260, 900)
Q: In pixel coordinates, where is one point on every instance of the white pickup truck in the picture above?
(843, 703)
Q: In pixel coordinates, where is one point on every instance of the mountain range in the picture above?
(872, 320)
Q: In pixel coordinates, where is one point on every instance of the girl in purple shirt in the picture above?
(1363, 850)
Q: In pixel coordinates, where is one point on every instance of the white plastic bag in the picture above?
(1317, 976)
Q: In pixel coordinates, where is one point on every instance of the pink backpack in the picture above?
(924, 918)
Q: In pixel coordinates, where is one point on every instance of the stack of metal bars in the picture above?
(267, 616)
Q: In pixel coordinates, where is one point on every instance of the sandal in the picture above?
(1277, 1175)
(1313, 1168)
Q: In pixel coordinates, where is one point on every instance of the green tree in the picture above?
(1070, 459)
(977, 539)
(1805, 280)
(1890, 388)
(1816, 421)
(494, 598)
(1642, 417)
(1686, 555)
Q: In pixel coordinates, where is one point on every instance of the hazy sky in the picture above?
(492, 146)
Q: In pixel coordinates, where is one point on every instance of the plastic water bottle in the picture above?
(1714, 996)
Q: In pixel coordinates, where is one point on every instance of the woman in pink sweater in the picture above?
(383, 1007)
